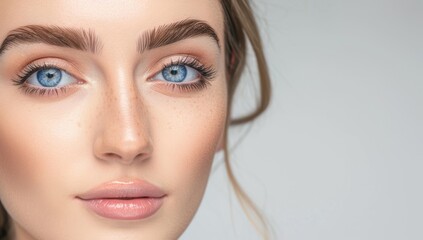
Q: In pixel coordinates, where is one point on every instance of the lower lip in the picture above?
(125, 209)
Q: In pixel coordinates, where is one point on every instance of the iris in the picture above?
(49, 77)
(176, 73)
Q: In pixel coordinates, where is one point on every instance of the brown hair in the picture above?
(3, 222)
(240, 29)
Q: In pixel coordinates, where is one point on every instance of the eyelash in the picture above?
(207, 73)
(31, 69)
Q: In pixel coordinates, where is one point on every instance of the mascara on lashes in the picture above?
(206, 73)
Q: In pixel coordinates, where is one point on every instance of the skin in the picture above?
(111, 124)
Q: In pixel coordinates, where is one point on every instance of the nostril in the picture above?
(125, 149)
(112, 156)
(126, 158)
(142, 156)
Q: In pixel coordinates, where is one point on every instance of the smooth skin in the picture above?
(112, 123)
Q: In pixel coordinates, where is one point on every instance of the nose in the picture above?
(123, 132)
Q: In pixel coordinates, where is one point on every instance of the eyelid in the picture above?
(205, 75)
(63, 65)
(24, 77)
(167, 61)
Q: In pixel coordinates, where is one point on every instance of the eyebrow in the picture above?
(52, 35)
(175, 32)
(87, 40)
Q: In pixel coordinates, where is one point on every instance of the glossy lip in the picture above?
(124, 199)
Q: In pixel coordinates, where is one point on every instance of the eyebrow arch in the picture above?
(52, 35)
(174, 32)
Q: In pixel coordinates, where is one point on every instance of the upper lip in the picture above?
(133, 188)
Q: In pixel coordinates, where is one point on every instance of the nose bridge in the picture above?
(125, 133)
(124, 106)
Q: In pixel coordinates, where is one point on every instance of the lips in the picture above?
(124, 199)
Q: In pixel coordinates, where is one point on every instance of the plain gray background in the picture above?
(339, 154)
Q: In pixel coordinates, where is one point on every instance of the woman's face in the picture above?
(100, 100)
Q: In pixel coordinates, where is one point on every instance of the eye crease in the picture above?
(185, 74)
(186, 66)
(45, 79)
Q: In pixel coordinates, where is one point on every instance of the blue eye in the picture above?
(50, 77)
(178, 73)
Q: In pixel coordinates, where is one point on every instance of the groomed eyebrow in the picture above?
(174, 32)
(52, 35)
(86, 40)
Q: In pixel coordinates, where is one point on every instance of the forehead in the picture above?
(110, 18)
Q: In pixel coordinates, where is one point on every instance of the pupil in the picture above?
(50, 75)
(173, 72)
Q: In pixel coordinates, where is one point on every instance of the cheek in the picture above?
(188, 139)
(19, 148)
(33, 141)
(190, 142)
(20, 170)
(32, 150)
(186, 135)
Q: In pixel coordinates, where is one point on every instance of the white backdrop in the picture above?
(339, 155)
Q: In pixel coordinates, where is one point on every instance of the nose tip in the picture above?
(123, 133)
(123, 150)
